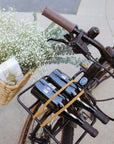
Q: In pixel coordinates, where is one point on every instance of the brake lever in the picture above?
(79, 41)
(59, 40)
(79, 45)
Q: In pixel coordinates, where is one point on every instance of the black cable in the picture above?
(94, 60)
(94, 101)
(102, 100)
(91, 58)
(112, 119)
(105, 78)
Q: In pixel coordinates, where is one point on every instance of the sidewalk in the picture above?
(64, 6)
(90, 13)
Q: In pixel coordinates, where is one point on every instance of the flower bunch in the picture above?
(28, 43)
(23, 39)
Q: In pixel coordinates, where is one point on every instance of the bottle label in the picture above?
(47, 89)
(64, 76)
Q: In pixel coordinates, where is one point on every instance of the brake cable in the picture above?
(91, 58)
(94, 101)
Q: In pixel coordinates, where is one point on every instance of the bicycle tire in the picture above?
(27, 126)
(64, 133)
(68, 134)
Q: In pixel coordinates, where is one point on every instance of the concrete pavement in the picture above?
(64, 6)
(90, 13)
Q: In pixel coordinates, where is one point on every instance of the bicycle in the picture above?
(55, 117)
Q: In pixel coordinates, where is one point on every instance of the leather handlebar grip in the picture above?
(58, 19)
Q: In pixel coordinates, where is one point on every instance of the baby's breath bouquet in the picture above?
(27, 42)
(23, 39)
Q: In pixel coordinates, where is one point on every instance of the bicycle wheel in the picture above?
(42, 136)
(68, 134)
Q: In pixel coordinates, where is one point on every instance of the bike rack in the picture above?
(28, 110)
(40, 112)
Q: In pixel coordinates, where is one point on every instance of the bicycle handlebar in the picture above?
(70, 27)
(80, 42)
(58, 19)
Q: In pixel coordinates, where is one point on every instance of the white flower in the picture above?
(23, 39)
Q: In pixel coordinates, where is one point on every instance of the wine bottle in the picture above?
(83, 124)
(44, 91)
(60, 79)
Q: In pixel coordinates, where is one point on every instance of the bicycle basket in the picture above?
(8, 92)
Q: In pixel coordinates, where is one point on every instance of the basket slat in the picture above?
(8, 92)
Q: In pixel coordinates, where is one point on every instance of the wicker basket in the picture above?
(7, 92)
